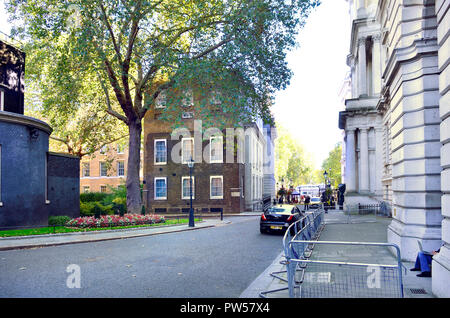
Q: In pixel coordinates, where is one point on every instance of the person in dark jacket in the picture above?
(307, 201)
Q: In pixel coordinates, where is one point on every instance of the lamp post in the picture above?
(325, 175)
(191, 211)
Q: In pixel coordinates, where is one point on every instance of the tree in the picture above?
(137, 49)
(333, 162)
(72, 102)
(292, 162)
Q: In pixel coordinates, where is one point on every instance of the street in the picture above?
(215, 262)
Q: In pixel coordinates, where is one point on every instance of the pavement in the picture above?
(37, 241)
(338, 227)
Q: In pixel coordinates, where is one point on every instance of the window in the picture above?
(216, 98)
(187, 149)
(160, 151)
(103, 189)
(103, 149)
(120, 149)
(216, 187)
(103, 169)
(160, 101)
(188, 98)
(2, 100)
(120, 168)
(216, 149)
(160, 188)
(187, 115)
(86, 189)
(86, 169)
(185, 188)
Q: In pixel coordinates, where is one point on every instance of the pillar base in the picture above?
(405, 236)
(352, 199)
(440, 273)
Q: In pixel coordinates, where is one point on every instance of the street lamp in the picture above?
(190, 164)
(325, 175)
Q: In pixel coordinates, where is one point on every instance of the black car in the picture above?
(279, 218)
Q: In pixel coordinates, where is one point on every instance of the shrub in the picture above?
(93, 196)
(59, 220)
(95, 209)
(119, 206)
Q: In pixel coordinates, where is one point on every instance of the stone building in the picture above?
(228, 174)
(397, 123)
(269, 187)
(34, 183)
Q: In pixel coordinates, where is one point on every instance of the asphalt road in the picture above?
(209, 263)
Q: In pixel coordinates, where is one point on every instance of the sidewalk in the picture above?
(34, 241)
(337, 229)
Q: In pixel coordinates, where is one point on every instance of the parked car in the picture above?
(279, 218)
(315, 202)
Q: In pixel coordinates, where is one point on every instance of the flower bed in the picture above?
(115, 220)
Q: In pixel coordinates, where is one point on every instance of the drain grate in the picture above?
(418, 291)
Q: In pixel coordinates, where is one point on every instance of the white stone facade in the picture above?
(254, 173)
(269, 188)
(397, 123)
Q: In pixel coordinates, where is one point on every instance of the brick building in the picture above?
(227, 179)
(105, 168)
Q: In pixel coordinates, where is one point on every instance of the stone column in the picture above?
(379, 161)
(376, 64)
(441, 262)
(350, 161)
(364, 151)
(362, 67)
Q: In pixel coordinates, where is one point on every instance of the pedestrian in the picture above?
(307, 201)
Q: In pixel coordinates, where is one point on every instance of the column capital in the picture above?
(376, 37)
(350, 131)
(363, 129)
(361, 41)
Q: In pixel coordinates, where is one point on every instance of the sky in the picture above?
(309, 107)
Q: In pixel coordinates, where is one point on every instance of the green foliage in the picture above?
(93, 196)
(59, 220)
(100, 203)
(292, 161)
(95, 208)
(333, 162)
(116, 57)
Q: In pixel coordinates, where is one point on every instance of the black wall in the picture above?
(63, 185)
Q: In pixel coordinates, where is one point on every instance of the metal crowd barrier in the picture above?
(338, 279)
(316, 278)
(360, 214)
(309, 228)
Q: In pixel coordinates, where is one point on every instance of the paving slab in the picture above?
(341, 227)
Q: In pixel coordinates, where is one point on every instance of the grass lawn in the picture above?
(63, 229)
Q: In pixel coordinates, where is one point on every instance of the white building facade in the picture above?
(397, 122)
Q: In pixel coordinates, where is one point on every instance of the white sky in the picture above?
(309, 107)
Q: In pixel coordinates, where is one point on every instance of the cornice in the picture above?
(25, 121)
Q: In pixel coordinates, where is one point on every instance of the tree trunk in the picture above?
(134, 200)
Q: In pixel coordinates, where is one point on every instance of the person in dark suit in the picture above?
(307, 201)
